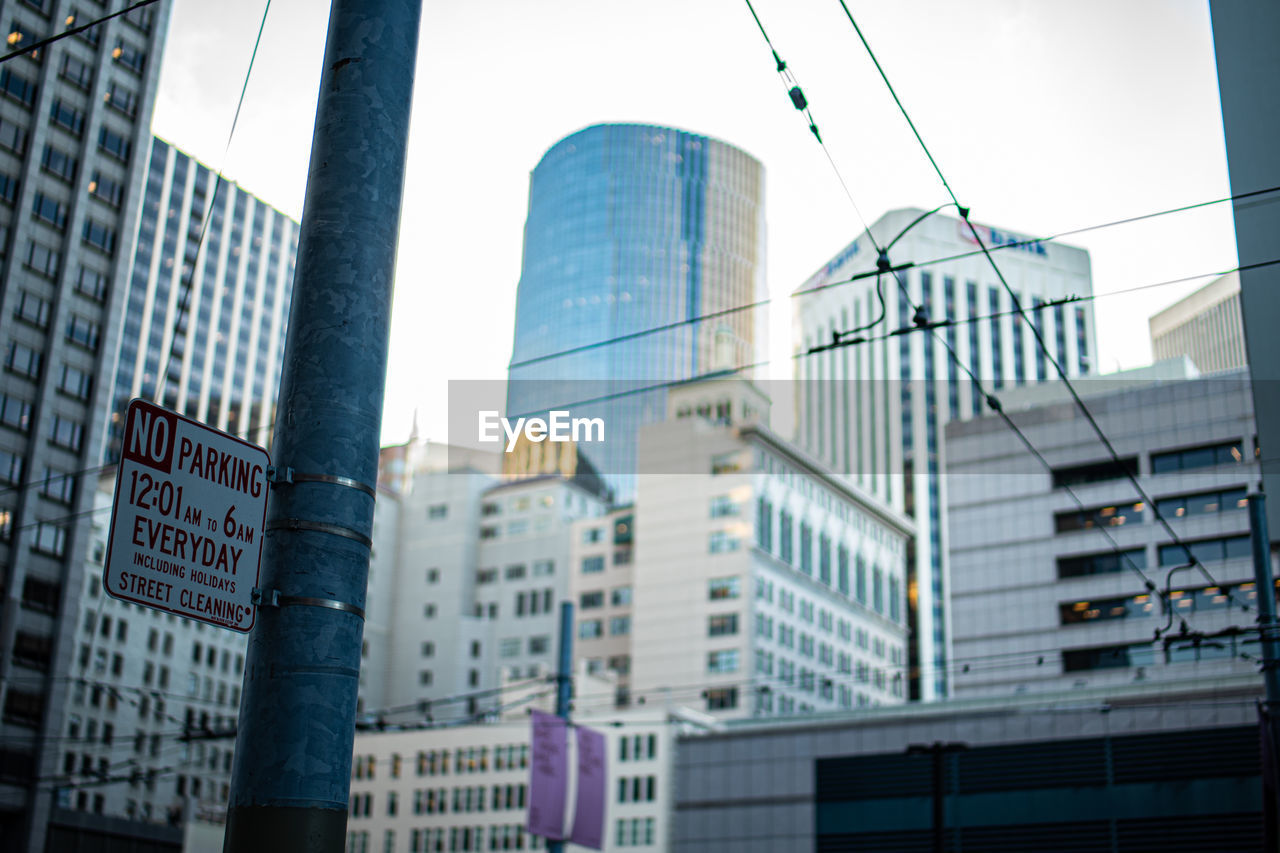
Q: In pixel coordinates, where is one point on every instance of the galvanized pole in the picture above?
(291, 778)
(564, 682)
(1266, 599)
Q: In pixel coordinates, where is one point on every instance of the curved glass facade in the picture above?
(633, 227)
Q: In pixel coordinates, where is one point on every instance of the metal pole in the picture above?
(1261, 542)
(564, 682)
(291, 778)
(939, 799)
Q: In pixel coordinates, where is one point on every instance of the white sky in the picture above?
(1045, 115)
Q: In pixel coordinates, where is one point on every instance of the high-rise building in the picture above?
(74, 121)
(762, 585)
(633, 227)
(1206, 325)
(876, 410)
(204, 325)
(1048, 594)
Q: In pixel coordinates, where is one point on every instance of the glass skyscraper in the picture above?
(630, 228)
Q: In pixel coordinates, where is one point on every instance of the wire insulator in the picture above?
(797, 98)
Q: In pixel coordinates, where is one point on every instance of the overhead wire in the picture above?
(72, 30)
(1034, 328)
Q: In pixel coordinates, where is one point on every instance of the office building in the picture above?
(141, 679)
(1051, 595)
(1206, 326)
(467, 787)
(204, 327)
(762, 585)
(876, 410)
(601, 569)
(467, 576)
(74, 129)
(632, 227)
(1139, 767)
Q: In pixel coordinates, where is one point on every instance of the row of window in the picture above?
(1179, 506)
(1182, 600)
(619, 626)
(1169, 554)
(1167, 462)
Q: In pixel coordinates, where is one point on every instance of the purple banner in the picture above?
(548, 776)
(588, 817)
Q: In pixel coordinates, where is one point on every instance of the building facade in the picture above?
(601, 571)
(1143, 767)
(204, 326)
(762, 585)
(1206, 326)
(875, 411)
(633, 227)
(1048, 595)
(74, 126)
(466, 788)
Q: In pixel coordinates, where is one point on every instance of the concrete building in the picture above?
(601, 572)
(220, 310)
(1139, 767)
(875, 411)
(74, 121)
(631, 227)
(466, 788)
(139, 681)
(762, 585)
(1048, 595)
(1206, 326)
(468, 572)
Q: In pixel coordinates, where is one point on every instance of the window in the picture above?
(784, 537)
(719, 589)
(8, 188)
(1206, 551)
(723, 506)
(539, 645)
(1103, 516)
(592, 535)
(764, 525)
(509, 647)
(1205, 456)
(106, 190)
(49, 211)
(15, 413)
(23, 360)
(1105, 609)
(722, 698)
(92, 284)
(112, 143)
(484, 576)
(99, 236)
(1203, 503)
(842, 569)
(45, 261)
(589, 629)
(515, 572)
(75, 72)
(1107, 562)
(58, 487)
(722, 542)
(50, 539)
(13, 137)
(83, 332)
(59, 163)
(723, 661)
(1107, 657)
(17, 87)
(121, 100)
(1094, 472)
(130, 57)
(620, 626)
(806, 548)
(591, 565)
(620, 595)
(726, 463)
(590, 600)
(543, 568)
(66, 117)
(10, 468)
(722, 625)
